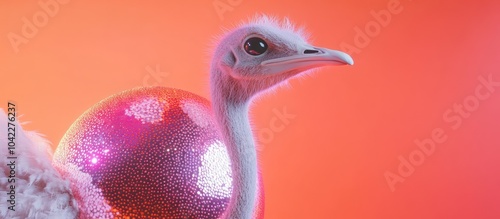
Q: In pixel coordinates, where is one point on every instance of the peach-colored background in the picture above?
(352, 123)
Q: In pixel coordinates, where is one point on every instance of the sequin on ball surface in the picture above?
(148, 153)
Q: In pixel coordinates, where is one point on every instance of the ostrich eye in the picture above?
(255, 46)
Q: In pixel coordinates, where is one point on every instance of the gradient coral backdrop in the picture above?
(347, 148)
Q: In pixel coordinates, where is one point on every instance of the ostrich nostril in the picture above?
(310, 51)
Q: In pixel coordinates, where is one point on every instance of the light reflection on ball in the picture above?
(148, 153)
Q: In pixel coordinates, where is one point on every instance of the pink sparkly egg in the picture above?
(150, 152)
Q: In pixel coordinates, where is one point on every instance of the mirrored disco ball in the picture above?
(150, 152)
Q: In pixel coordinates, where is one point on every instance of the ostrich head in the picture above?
(263, 53)
(248, 60)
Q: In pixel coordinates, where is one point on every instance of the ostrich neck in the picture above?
(232, 118)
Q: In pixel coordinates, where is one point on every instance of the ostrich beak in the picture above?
(308, 57)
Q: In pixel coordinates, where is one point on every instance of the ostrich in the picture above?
(250, 60)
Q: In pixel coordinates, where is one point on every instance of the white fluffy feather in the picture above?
(41, 192)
